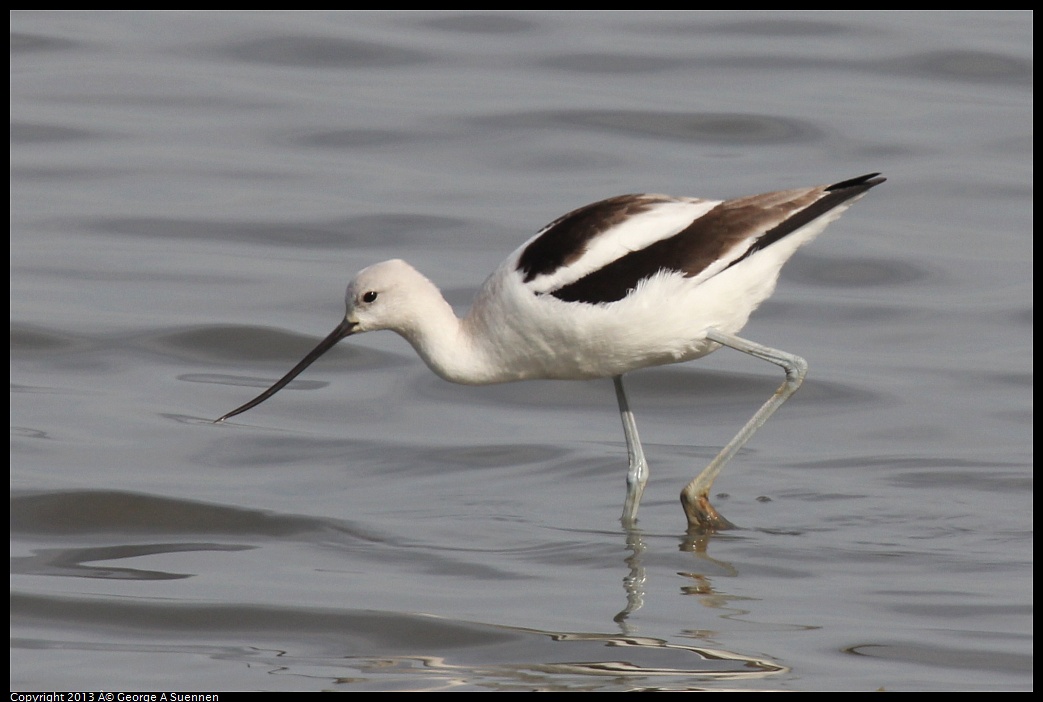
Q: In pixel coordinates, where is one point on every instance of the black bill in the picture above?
(343, 329)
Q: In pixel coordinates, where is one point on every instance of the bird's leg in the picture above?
(695, 498)
(637, 473)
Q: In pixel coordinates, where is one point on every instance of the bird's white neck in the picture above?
(444, 341)
(484, 347)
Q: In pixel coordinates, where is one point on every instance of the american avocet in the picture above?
(621, 284)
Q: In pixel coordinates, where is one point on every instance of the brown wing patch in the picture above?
(706, 240)
(713, 237)
(828, 198)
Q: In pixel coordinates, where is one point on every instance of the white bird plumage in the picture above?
(625, 283)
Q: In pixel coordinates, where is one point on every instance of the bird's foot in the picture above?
(702, 516)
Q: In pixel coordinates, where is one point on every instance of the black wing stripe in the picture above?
(837, 194)
(710, 238)
(565, 239)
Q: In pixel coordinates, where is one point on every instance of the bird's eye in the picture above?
(369, 296)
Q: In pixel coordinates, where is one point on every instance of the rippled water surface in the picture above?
(191, 191)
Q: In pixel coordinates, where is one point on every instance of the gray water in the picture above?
(190, 192)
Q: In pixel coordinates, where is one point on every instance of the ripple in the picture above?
(32, 133)
(417, 651)
(30, 339)
(322, 52)
(482, 23)
(381, 230)
(854, 272)
(766, 28)
(945, 657)
(966, 66)
(71, 562)
(352, 138)
(706, 127)
(27, 42)
(83, 512)
(610, 63)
